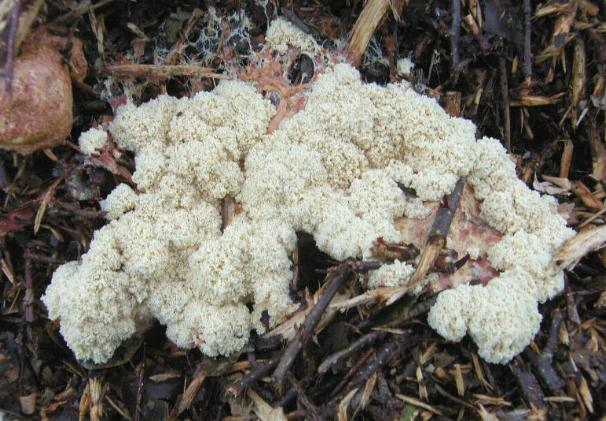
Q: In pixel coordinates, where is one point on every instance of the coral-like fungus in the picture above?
(334, 168)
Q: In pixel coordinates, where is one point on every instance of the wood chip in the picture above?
(28, 403)
(365, 27)
(578, 246)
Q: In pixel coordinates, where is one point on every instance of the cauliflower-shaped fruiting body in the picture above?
(335, 170)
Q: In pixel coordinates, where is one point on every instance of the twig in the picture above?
(455, 32)
(340, 276)
(352, 371)
(505, 98)
(140, 383)
(124, 71)
(437, 236)
(81, 9)
(527, 65)
(384, 355)
(310, 408)
(238, 387)
(361, 342)
(28, 298)
(190, 393)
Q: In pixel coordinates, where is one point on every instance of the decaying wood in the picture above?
(189, 394)
(577, 247)
(367, 23)
(578, 80)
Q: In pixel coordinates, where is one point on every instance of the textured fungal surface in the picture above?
(341, 163)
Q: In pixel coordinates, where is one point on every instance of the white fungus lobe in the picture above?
(92, 141)
(335, 169)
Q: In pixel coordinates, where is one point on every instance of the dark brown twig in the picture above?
(310, 409)
(361, 342)
(384, 355)
(352, 371)
(238, 387)
(140, 384)
(159, 71)
(527, 65)
(28, 298)
(437, 237)
(505, 98)
(455, 32)
(340, 276)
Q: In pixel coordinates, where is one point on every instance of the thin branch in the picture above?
(527, 65)
(361, 342)
(437, 236)
(340, 275)
(238, 387)
(455, 32)
(505, 98)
